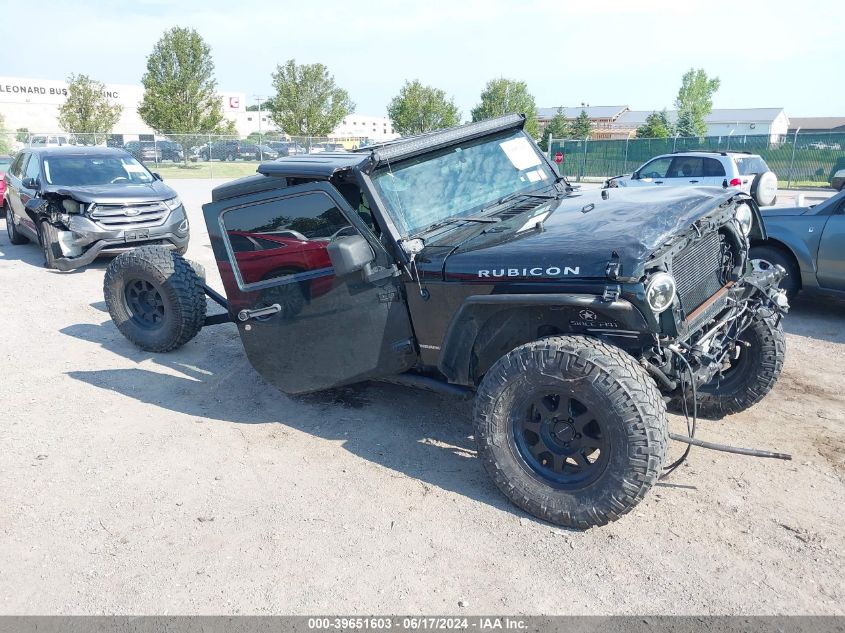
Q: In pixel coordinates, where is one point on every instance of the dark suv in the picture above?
(460, 262)
(229, 150)
(80, 202)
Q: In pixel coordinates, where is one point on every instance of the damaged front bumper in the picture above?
(82, 240)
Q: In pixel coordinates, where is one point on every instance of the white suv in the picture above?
(740, 170)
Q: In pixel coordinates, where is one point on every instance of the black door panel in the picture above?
(271, 249)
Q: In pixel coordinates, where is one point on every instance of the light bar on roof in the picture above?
(427, 142)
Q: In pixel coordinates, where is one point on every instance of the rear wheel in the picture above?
(12, 230)
(155, 297)
(571, 430)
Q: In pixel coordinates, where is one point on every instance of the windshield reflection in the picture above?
(460, 180)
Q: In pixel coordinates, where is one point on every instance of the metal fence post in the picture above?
(584, 166)
(625, 166)
(792, 160)
(210, 162)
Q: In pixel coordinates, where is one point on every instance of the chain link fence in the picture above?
(190, 155)
(799, 160)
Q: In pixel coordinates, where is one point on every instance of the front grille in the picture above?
(698, 272)
(129, 216)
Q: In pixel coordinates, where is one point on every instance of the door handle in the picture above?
(658, 182)
(246, 315)
(693, 181)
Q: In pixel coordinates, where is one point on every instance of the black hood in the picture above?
(116, 193)
(578, 238)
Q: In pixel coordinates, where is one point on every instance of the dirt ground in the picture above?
(136, 483)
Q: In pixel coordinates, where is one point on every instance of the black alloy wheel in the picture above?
(560, 439)
(145, 304)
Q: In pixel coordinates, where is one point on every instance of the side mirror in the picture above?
(30, 183)
(157, 175)
(635, 175)
(350, 254)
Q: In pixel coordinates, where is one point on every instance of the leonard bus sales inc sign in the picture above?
(20, 90)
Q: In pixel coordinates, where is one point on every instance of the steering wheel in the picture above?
(119, 179)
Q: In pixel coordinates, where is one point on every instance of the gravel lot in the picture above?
(182, 483)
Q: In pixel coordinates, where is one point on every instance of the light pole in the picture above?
(259, 98)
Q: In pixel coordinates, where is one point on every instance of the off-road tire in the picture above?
(179, 290)
(626, 397)
(12, 231)
(791, 283)
(755, 375)
(48, 236)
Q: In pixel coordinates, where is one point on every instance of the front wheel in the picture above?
(751, 374)
(571, 430)
(155, 297)
(48, 236)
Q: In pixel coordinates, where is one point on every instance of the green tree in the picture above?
(503, 96)
(695, 102)
(582, 127)
(657, 125)
(418, 108)
(558, 127)
(22, 135)
(180, 91)
(265, 105)
(307, 101)
(88, 113)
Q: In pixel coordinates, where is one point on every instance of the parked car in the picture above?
(48, 140)
(229, 150)
(171, 150)
(5, 162)
(809, 243)
(286, 148)
(81, 202)
(731, 170)
(144, 151)
(461, 262)
(267, 153)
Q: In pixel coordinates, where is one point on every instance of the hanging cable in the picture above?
(690, 423)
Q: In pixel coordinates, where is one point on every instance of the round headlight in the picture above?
(745, 218)
(659, 291)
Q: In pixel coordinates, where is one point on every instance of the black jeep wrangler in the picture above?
(460, 261)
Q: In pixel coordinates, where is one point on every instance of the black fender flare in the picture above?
(485, 319)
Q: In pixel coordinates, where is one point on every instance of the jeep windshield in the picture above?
(461, 180)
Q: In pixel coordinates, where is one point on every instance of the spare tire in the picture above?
(764, 188)
(155, 298)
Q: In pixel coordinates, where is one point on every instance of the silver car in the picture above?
(81, 202)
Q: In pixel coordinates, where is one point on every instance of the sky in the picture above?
(609, 52)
